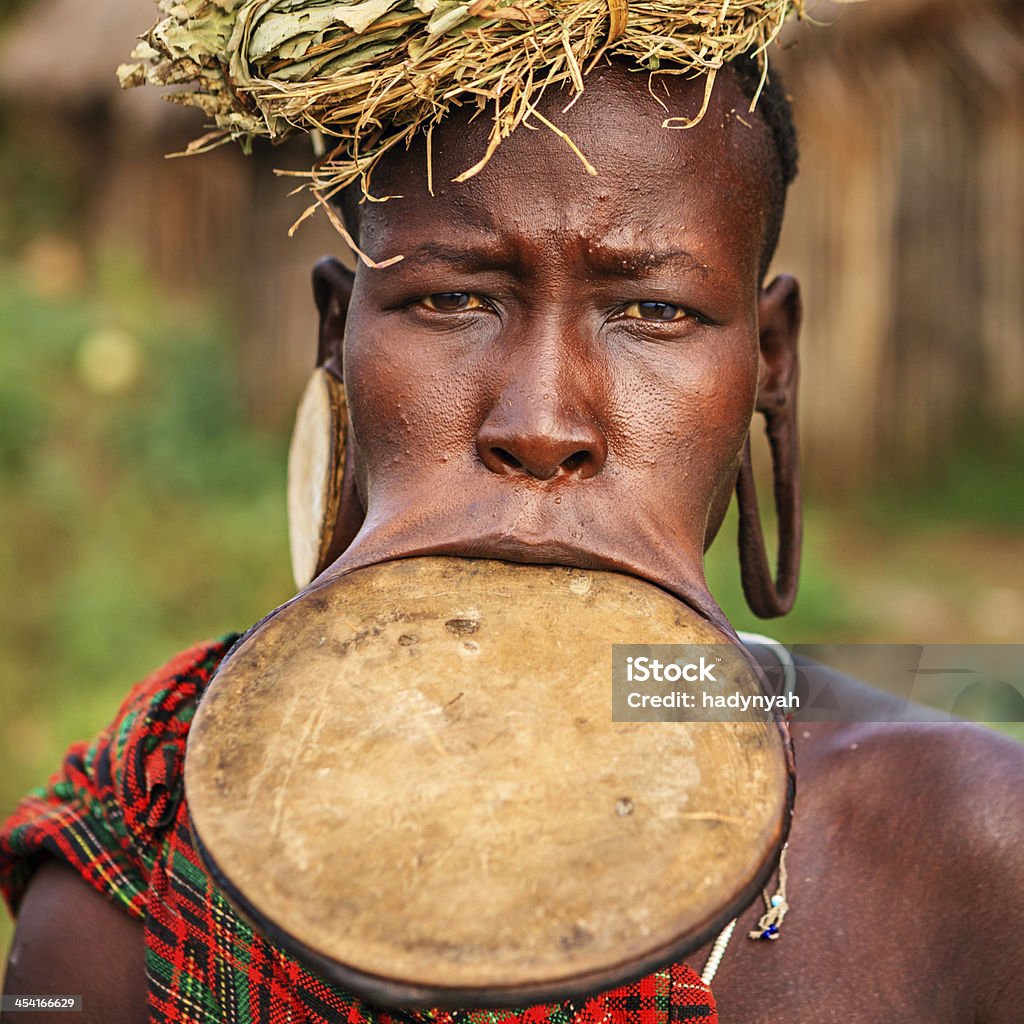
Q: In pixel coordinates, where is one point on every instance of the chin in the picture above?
(534, 535)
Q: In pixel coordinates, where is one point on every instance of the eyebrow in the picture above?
(605, 260)
(638, 262)
(465, 257)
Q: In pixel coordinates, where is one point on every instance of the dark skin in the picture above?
(581, 366)
(536, 388)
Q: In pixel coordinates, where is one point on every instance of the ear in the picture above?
(779, 312)
(332, 291)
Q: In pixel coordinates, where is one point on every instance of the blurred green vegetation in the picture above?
(979, 484)
(141, 512)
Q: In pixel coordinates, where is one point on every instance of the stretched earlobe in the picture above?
(779, 313)
(332, 292)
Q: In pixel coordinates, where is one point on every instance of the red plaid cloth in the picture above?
(115, 813)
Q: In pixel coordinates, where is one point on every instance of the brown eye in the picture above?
(657, 311)
(452, 302)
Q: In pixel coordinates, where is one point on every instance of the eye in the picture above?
(452, 302)
(656, 311)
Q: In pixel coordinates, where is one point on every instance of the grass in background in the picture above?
(140, 512)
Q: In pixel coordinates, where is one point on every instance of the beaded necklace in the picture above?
(775, 905)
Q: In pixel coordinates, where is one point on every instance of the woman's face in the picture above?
(563, 367)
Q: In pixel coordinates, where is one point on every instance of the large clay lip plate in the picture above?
(443, 825)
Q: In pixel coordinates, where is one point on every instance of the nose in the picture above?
(537, 437)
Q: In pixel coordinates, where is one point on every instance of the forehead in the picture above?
(700, 189)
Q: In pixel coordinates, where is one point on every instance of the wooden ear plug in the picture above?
(316, 469)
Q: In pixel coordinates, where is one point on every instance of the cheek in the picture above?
(684, 413)
(410, 405)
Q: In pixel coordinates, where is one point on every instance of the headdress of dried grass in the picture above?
(364, 76)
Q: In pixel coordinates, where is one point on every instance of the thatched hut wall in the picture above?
(907, 229)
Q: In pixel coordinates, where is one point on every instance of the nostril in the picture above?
(575, 461)
(506, 458)
(551, 450)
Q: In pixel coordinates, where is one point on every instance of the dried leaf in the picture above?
(360, 16)
(199, 40)
(447, 15)
(131, 75)
(143, 51)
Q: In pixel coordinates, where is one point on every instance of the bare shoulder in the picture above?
(933, 811)
(968, 775)
(70, 940)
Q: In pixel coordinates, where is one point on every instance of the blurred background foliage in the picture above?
(144, 412)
